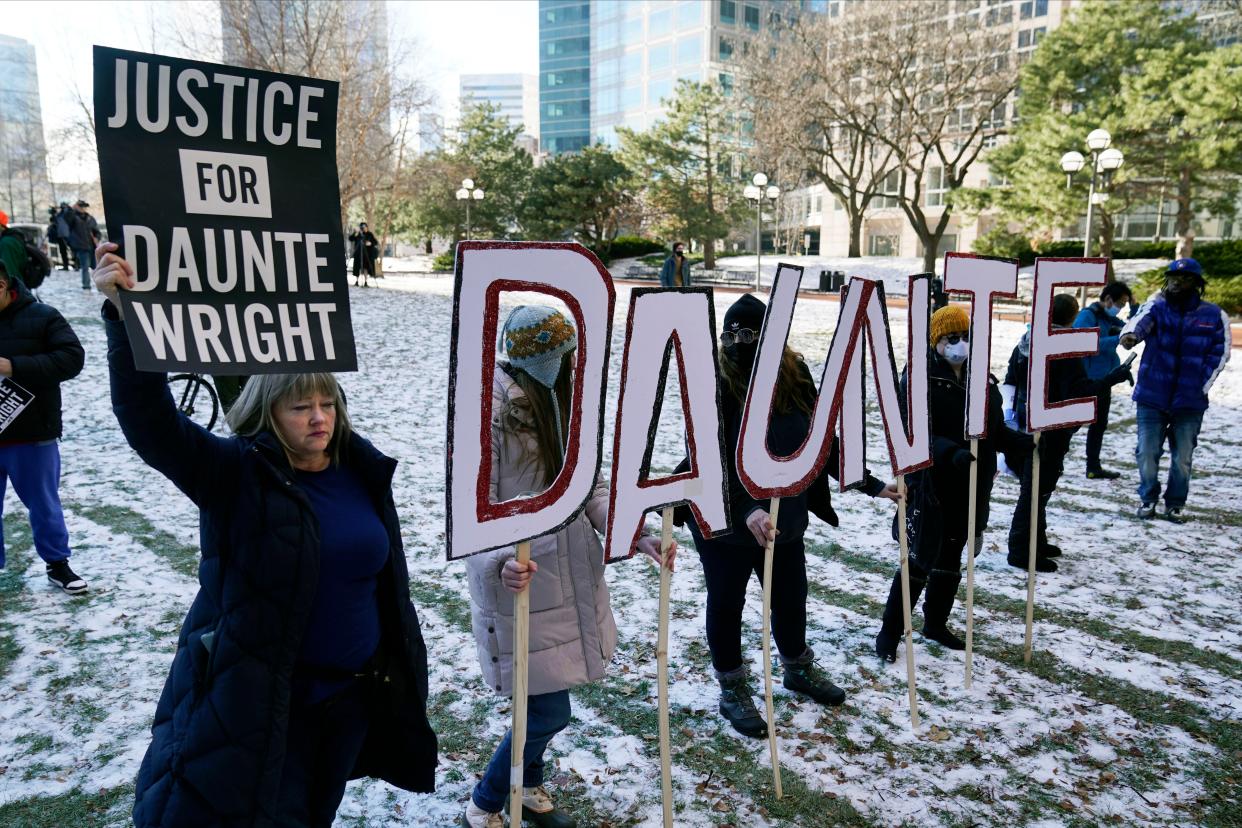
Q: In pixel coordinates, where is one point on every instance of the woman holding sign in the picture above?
(572, 631)
(730, 560)
(301, 664)
(938, 502)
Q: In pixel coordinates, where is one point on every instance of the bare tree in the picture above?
(941, 81)
(815, 113)
(348, 43)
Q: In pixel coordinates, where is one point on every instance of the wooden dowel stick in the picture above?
(970, 559)
(767, 649)
(905, 598)
(521, 651)
(666, 580)
(1033, 550)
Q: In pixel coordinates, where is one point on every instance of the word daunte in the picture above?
(679, 324)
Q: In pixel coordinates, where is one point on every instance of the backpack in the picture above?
(38, 265)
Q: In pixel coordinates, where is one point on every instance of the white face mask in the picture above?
(956, 354)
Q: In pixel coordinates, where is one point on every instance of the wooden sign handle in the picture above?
(905, 598)
(767, 648)
(971, 516)
(1033, 550)
(666, 581)
(521, 651)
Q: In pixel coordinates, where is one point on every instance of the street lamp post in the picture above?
(757, 191)
(1103, 159)
(467, 193)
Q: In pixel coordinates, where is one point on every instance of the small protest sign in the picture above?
(13, 401)
(220, 186)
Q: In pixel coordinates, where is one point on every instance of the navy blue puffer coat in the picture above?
(1187, 347)
(218, 740)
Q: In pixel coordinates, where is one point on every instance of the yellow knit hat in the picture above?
(947, 320)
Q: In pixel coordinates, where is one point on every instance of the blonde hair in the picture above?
(252, 413)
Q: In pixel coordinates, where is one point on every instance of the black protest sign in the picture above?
(13, 401)
(220, 185)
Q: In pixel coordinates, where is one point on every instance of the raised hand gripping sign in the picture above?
(984, 278)
(572, 274)
(221, 189)
(661, 324)
(1048, 344)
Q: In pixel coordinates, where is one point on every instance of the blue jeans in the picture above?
(34, 469)
(547, 714)
(86, 261)
(1182, 429)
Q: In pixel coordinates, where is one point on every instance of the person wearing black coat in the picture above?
(38, 351)
(300, 664)
(366, 249)
(1067, 379)
(938, 497)
(730, 560)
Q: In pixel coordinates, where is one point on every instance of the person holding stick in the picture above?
(937, 500)
(572, 631)
(1103, 314)
(730, 560)
(1067, 379)
(301, 664)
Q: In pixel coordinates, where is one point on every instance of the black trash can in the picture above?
(825, 281)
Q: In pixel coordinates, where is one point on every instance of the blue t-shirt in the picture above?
(344, 627)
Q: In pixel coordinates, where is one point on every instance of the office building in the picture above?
(564, 75)
(515, 95)
(641, 48)
(814, 212)
(25, 188)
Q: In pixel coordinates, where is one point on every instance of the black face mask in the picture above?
(742, 355)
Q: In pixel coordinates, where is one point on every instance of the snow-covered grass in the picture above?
(1128, 714)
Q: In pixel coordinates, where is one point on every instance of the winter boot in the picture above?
(63, 577)
(892, 626)
(476, 817)
(941, 592)
(1102, 474)
(537, 809)
(804, 676)
(1145, 511)
(1049, 550)
(1018, 561)
(1173, 514)
(738, 707)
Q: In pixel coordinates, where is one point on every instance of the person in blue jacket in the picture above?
(1103, 314)
(676, 269)
(300, 664)
(1188, 343)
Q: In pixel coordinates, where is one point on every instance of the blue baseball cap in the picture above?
(1185, 266)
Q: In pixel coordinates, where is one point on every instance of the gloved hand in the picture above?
(1119, 374)
(962, 458)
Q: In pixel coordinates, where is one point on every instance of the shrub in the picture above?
(1000, 242)
(626, 247)
(443, 262)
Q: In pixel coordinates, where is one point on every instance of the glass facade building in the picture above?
(564, 75)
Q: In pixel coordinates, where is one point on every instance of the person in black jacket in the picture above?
(38, 351)
(730, 560)
(301, 664)
(366, 249)
(1067, 379)
(938, 497)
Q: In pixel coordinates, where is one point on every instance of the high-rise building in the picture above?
(641, 48)
(564, 75)
(516, 96)
(25, 189)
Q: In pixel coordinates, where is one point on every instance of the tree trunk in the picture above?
(930, 244)
(856, 222)
(1185, 215)
(709, 254)
(1108, 235)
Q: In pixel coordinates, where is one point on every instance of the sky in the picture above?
(445, 38)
